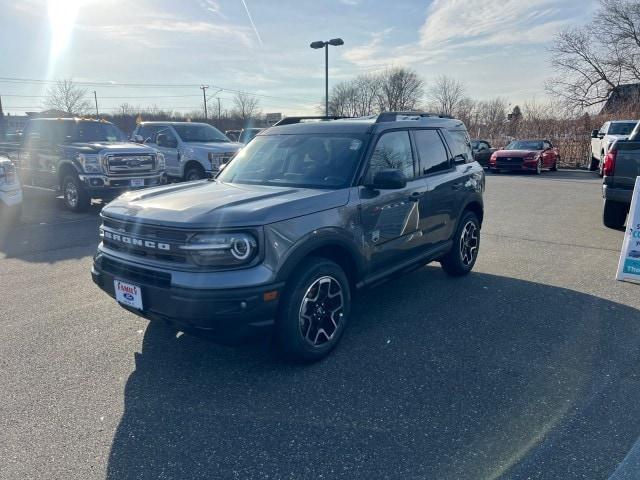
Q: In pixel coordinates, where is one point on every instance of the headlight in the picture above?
(90, 163)
(162, 165)
(222, 249)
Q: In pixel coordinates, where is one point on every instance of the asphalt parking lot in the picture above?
(527, 368)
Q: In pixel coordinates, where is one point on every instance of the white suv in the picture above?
(192, 150)
(602, 139)
(10, 191)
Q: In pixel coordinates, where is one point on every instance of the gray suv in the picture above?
(303, 216)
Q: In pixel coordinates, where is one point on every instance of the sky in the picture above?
(158, 52)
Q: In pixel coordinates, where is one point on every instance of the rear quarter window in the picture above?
(461, 144)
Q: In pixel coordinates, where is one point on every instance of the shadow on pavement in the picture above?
(47, 231)
(584, 175)
(480, 377)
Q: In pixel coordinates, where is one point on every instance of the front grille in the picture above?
(218, 159)
(145, 241)
(509, 162)
(135, 274)
(126, 164)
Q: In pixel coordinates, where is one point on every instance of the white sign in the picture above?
(629, 265)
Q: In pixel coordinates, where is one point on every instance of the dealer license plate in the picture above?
(137, 182)
(128, 294)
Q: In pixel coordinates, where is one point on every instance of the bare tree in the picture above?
(67, 97)
(401, 89)
(593, 60)
(355, 98)
(245, 106)
(446, 94)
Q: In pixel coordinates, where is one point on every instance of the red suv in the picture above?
(526, 155)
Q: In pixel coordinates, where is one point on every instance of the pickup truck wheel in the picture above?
(593, 166)
(314, 310)
(614, 214)
(76, 197)
(10, 215)
(466, 244)
(194, 173)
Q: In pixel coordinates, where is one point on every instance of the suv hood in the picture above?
(211, 204)
(113, 147)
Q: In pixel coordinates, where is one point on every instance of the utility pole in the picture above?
(204, 98)
(218, 107)
(95, 97)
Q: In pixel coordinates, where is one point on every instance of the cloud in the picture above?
(455, 25)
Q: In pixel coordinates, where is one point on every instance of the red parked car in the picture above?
(526, 155)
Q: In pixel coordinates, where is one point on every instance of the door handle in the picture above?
(415, 196)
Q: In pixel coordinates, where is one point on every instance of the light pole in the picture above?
(336, 42)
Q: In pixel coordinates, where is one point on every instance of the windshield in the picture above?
(621, 128)
(311, 161)
(97, 132)
(525, 145)
(200, 132)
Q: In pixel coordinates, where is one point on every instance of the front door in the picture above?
(391, 218)
(170, 152)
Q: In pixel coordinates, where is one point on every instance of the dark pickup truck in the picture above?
(83, 159)
(621, 167)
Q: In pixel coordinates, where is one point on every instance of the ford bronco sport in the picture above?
(305, 214)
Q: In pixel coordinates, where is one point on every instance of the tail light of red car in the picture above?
(493, 158)
(609, 163)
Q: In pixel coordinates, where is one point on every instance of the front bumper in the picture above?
(225, 313)
(101, 186)
(10, 196)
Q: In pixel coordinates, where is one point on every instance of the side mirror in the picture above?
(601, 135)
(594, 133)
(388, 179)
(138, 138)
(459, 159)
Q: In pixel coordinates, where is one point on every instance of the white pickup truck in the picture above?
(602, 139)
(192, 150)
(10, 192)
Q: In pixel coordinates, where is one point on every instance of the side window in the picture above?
(433, 155)
(166, 131)
(393, 150)
(604, 128)
(461, 144)
(148, 132)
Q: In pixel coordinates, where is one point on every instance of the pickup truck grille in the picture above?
(127, 164)
(145, 241)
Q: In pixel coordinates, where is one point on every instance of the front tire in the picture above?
(539, 167)
(614, 214)
(594, 164)
(554, 167)
(76, 197)
(314, 310)
(194, 173)
(466, 245)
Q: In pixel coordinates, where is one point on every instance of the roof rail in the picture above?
(292, 120)
(393, 116)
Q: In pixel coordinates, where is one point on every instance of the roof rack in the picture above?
(393, 116)
(292, 120)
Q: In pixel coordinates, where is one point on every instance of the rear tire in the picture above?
(466, 245)
(614, 214)
(314, 310)
(76, 197)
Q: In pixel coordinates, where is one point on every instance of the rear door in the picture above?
(391, 218)
(436, 165)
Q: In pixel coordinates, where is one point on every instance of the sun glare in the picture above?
(62, 18)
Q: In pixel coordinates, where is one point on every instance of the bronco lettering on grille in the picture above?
(136, 241)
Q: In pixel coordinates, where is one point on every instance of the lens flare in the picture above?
(62, 19)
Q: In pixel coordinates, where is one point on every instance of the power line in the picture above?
(16, 80)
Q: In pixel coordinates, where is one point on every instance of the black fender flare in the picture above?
(328, 240)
